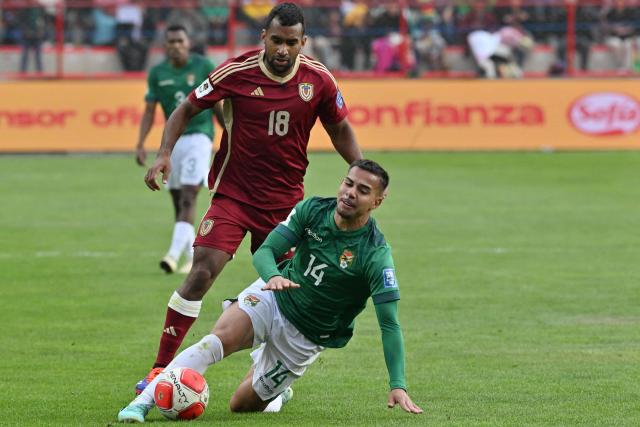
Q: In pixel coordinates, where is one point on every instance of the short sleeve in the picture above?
(211, 90)
(152, 84)
(381, 274)
(333, 109)
(292, 228)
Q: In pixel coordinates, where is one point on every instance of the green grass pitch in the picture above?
(519, 275)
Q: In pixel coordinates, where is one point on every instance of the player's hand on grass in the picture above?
(399, 396)
(279, 283)
(161, 165)
(141, 156)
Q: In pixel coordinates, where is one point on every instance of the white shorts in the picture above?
(283, 353)
(190, 161)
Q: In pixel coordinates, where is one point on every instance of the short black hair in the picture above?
(374, 168)
(288, 15)
(175, 27)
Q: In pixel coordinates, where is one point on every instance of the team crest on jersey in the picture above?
(251, 300)
(346, 259)
(306, 91)
(206, 227)
(191, 79)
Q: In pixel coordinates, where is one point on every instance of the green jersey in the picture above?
(337, 271)
(170, 86)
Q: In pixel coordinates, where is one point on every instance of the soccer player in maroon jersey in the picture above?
(272, 98)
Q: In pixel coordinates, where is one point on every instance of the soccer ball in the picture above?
(181, 394)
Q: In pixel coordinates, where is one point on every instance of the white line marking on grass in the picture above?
(48, 254)
(89, 254)
(473, 250)
(596, 319)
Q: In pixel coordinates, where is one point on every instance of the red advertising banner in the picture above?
(386, 115)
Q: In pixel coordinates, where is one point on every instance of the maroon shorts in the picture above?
(227, 221)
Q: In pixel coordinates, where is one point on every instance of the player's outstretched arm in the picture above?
(264, 260)
(393, 347)
(398, 396)
(344, 140)
(176, 124)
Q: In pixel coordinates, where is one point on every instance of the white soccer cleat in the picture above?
(168, 264)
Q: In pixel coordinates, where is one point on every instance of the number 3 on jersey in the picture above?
(279, 122)
(179, 96)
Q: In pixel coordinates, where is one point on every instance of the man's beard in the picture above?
(345, 215)
(279, 68)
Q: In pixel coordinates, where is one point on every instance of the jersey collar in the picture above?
(334, 227)
(272, 76)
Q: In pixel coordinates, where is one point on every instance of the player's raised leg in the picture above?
(184, 306)
(233, 332)
(219, 235)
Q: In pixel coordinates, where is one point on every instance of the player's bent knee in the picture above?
(200, 277)
(202, 271)
(236, 405)
(197, 283)
(234, 329)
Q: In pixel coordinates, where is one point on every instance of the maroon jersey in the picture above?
(263, 153)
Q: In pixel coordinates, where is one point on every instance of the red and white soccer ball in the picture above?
(181, 394)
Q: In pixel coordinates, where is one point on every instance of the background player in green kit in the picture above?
(308, 303)
(169, 83)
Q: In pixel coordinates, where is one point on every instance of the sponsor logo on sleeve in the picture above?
(204, 89)
(339, 100)
(389, 278)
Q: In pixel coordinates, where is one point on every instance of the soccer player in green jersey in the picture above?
(169, 83)
(308, 303)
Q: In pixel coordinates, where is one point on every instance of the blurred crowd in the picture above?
(348, 35)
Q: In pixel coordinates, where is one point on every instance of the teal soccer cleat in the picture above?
(134, 413)
(287, 395)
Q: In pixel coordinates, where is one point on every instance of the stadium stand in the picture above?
(413, 37)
